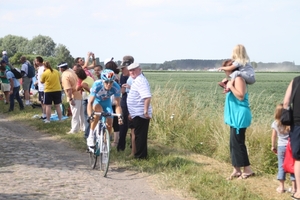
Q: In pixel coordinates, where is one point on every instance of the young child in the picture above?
(223, 84)
(280, 135)
(239, 66)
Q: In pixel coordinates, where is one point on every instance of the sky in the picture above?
(155, 31)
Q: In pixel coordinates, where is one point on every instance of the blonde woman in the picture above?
(240, 66)
(52, 90)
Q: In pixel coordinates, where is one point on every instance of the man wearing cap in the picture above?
(125, 86)
(5, 85)
(140, 110)
(69, 83)
(5, 57)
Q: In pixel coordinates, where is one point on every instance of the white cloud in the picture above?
(147, 3)
(52, 11)
(9, 17)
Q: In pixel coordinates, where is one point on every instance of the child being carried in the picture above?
(239, 65)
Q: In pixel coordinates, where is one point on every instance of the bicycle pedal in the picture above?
(91, 149)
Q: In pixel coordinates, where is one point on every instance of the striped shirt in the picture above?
(139, 90)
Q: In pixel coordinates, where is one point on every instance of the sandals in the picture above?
(290, 190)
(295, 198)
(280, 191)
(245, 176)
(234, 175)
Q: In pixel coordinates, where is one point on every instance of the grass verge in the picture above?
(172, 168)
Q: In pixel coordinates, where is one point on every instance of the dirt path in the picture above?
(37, 166)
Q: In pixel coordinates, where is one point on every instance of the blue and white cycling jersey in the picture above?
(102, 95)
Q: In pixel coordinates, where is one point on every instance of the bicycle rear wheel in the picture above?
(104, 153)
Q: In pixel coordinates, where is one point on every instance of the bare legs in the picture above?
(96, 108)
(58, 111)
(116, 138)
(297, 176)
(6, 94)
(27, 97)
(43, 106)
(48, 111)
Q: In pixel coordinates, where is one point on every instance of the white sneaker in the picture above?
(46, 121)
(90, 141)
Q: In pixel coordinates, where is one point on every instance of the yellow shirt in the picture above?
(51, 80)
(89, 81)
(69, 81)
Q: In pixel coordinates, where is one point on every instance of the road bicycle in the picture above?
(101, 151)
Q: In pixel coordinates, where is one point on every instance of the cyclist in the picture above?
(99, 100)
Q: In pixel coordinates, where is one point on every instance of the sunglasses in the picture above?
(107, 82)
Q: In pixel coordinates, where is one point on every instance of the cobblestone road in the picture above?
(37, 166)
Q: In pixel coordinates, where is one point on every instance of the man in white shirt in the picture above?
(39, 62)
(140, 110)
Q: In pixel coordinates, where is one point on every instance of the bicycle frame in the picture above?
(102, 145)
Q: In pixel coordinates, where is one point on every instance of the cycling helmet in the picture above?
(108, 75)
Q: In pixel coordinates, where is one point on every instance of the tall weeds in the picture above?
(197, 124)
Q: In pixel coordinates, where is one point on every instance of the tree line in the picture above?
(194, 64)
(44, 46)
(40, 45)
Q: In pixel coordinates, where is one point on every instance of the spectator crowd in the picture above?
(87, 87)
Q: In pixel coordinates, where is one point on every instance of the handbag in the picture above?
(286, 117)
(288, 162)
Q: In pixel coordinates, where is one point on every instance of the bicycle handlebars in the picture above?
(103, 114)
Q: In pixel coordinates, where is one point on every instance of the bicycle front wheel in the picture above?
(93, 160)
(104, 152)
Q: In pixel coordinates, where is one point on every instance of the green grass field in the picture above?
(196, 100)
(190, 152)
(268, 90)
